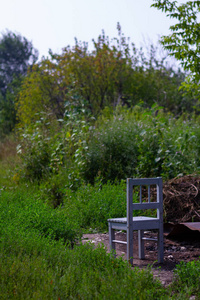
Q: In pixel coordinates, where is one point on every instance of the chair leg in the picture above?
(111, 238)
(160, 246)
(141, 244)
(130, 245)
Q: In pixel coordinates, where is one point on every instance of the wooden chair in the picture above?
(140, 223)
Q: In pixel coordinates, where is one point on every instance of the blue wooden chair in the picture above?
(140, 223)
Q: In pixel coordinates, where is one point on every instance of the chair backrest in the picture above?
(141, 205)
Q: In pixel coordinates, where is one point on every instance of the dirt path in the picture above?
(174, 252)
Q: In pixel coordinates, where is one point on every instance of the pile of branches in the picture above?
(181, 198)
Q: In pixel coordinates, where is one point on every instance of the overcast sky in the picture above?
(53, 24)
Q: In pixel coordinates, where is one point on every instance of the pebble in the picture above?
(183, 248)
(170, 256)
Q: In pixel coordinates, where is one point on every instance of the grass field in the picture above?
(41, 256)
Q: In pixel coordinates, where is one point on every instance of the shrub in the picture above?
(142, 143)
(112, 150)
(41, 150)
(49, 146)
(186, 278)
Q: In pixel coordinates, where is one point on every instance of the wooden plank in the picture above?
(119, 242)
(151, 205)
(144, 181)
(150, 239)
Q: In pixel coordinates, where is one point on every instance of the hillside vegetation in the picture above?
(80, 123)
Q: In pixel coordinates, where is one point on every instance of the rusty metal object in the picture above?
(189, 229)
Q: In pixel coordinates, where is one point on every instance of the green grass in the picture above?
(22, 209)
(37, 262)
(91, 206)
(187, 279)
(41, 256)
(81, 273)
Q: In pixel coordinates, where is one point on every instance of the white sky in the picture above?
(53, 24)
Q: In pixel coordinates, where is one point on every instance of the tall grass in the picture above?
(91, 206)
(22, 211)
(38, 262)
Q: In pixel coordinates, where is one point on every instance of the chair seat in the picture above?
(140, 218)
(139, 223)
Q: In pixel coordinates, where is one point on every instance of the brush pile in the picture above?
(181, 198)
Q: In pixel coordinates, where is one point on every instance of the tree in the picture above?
(115, 72)
(16, 56)
(44, 89)
(184, 42)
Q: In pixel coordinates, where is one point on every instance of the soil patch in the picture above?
(175, 250)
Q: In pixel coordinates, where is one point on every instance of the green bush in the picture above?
(124, 143)
(186, 279)
(41, 149)
(112, 150)
(49, 147)
(142, 143)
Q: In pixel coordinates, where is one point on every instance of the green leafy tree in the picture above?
(43, 90)
(115, 72)
(184, 41)
(16, 55)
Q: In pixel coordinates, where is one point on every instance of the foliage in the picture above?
(43, 90)
(37, 263)
(82, 273)
(183, 43)
(142, 143)
(114, 73)
(112, 150)
(124, 143)
(41, 148)
(53, 189)
(91, 206)
(16, 55)
(186, 278)
(50, 146)
(7, 107)
(26, 213)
